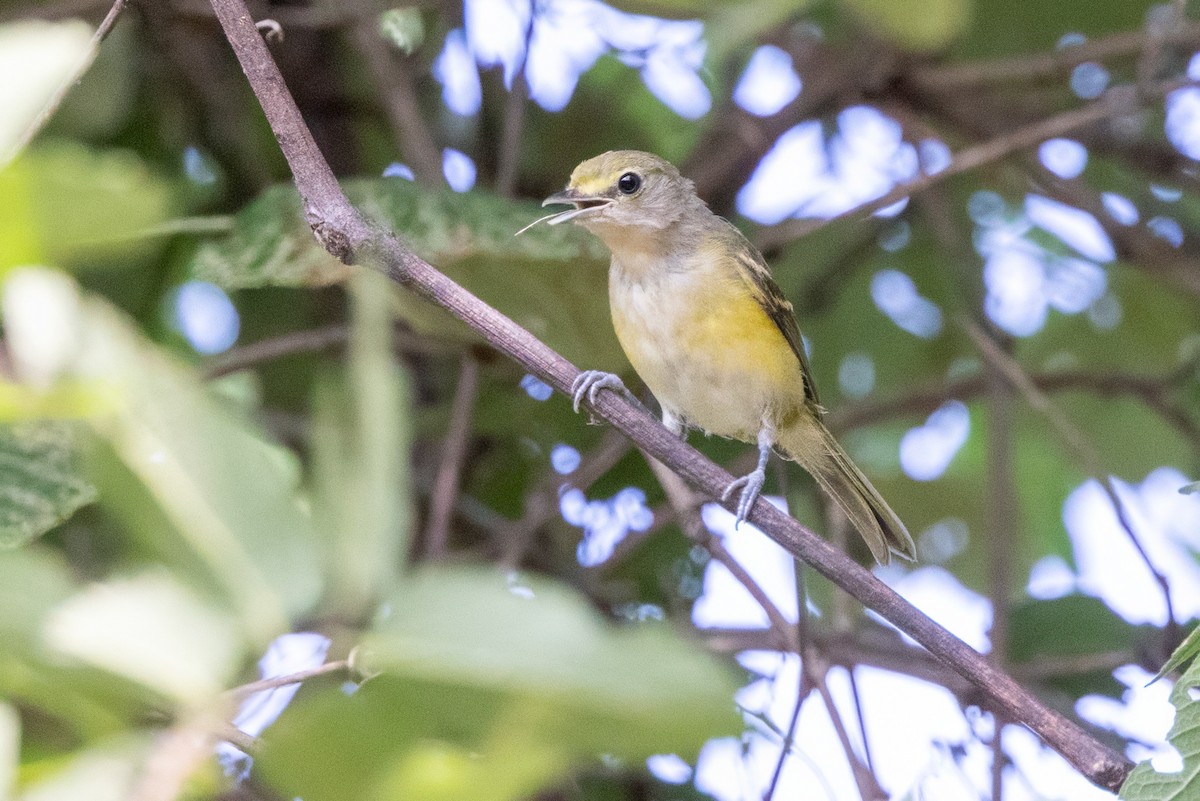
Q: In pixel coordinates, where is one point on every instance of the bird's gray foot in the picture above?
(751, 485)
(589, 382)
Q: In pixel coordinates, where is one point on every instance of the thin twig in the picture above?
(85, 63)
(395, 81)
(1011, 371)
(1114, 102)
(789, 738)
(1005, 71)
(454, 448)
(274, 682)
(313, 340)
(348, 236)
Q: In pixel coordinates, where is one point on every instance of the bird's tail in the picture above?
(810, 443)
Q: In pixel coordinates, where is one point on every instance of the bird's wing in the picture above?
(753, 270)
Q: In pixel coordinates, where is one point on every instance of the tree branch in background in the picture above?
(395, 83)
(454, 448)
(351, 238)
(1004, 71)
(1114, 102)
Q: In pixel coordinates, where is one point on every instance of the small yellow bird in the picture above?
(710, 332)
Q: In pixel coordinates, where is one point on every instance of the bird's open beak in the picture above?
(584, 205)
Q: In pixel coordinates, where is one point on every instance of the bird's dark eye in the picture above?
(629, 183)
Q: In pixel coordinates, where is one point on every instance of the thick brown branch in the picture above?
(346, 234)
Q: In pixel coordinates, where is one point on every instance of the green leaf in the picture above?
(151, 630)
(363, 495)
(41, 483)
(49, 53)
(551, 280)
(919, 25)
(73, 206)
(194, 470)
(491, 692)
(1146, 784)
(1187, 650)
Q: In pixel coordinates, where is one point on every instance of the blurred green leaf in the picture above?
(491, 691)
(106, 771)
(73, 206)
(551, 280)
(919, 25)
(10, 748)
(1187, 650)
(363, 495)
(50, 52)
(1146, 784)
(228, 496)
(41, 483)
(151, 630)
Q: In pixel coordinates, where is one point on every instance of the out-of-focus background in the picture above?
(223, 455)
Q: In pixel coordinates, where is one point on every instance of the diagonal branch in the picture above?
(350, 237)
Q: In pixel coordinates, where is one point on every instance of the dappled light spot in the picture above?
(1089, 80)
(536, 388)
(198, 168)
(1167, 194)
(1073, 285)
(768, 83)
(725, 602)
(1072, 39)
(205, 316)
(1110, 568)
(669, 768)
(927, 450)
(1015, 299)
(1120, 207)
(939, 594)
(1106, 313)
(287, 654)
(564, 459)
(896, 295)
(942, 541)
(398, 170)
(455, 69)
(1075, 227)
(805, 175)
(934, 156)
(1167, 229)
(459, 169)
(987, 208)
(856, 375)
(605, 522)
(1182, 124)
(1050, 577)
(1066, 158)
(896, 236)
(1144, 714)
(496, 33)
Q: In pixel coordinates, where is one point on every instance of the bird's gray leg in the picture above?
(752, 483)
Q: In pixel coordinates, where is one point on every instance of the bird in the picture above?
(710, 333)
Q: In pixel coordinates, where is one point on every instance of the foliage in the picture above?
(160, 525)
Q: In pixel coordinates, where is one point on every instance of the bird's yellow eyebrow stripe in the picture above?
(594, 184)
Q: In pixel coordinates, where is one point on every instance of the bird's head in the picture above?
(623, 189)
